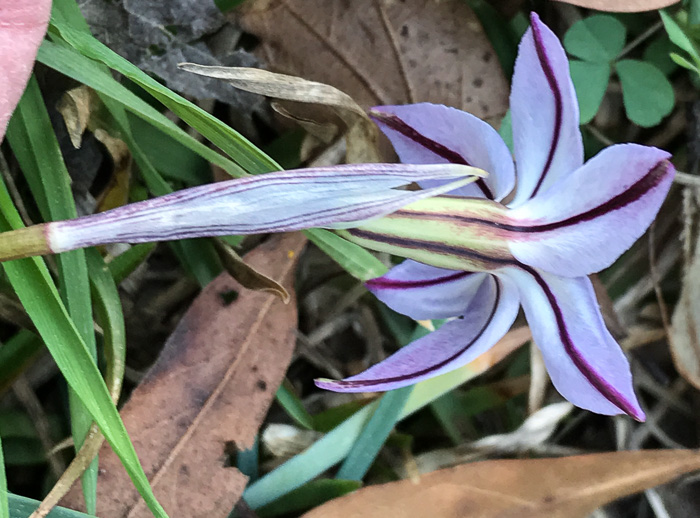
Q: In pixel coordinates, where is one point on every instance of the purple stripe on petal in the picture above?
(430, 133)
(585, 363)
(558, 102)
(546, 137)
(394, 123)
(567, 230)
(425, 292)
(489, 316)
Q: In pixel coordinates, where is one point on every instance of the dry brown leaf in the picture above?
(245, 274)
(209, 390)
(383, 51)
(567, 487)
(622, 6)
(361, 132)
(75, 106)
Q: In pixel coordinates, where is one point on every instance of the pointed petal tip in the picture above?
(340, 385)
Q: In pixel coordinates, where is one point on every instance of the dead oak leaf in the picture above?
(383, 51)
(209, 389)
(567, 487)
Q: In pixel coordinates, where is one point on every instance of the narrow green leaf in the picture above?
(125, 263)
(365, 450)
(71, 63)
(357, 261)
(4, 506)
(22, 507)
(677, 34)
(34, 287)
(35, 145)
(309, 496)
(291, 403)
(680, 60)
(174, 161)
(597, 38)
(590, 81)
(647, 94)
(228, 140)
(335, 445)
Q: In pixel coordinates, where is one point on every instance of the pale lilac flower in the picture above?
(478, 260)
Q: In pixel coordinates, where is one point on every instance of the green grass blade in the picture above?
(35, 289)
(291, 403)
(338, 443)
(357, 261)
(365, 450)
(34, 143)
(309, 496)
(22, 507)
(228, 140)
(4, 506)
(71, 63)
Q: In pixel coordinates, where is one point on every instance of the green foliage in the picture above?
(22, 507)
(598, 38)
(309, 496)
(647, 94)
(598, 42)
(681, 34)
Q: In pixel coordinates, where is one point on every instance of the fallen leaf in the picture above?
(22, 27)
(532, 433)
(75, 106)
(566, 487)
(209, 391)
(622, 6)
(383, 51)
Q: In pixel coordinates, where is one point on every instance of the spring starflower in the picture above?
(475, 259)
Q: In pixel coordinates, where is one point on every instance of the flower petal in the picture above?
(546, 138)
(585, 363)
(585, 221)
(426, 292)
(432, 134)
(22, 28)
(488, 317)
(332, 197)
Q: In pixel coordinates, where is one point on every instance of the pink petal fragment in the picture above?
(585, 363)
(585, 221)
(488, 317)
(546, 138)
(433, 134)
(425, 292)
(22, 27)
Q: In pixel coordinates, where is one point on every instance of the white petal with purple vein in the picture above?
(585, 363)
(546, 138)
(432, 134)
(426, 292)
(585, 221)
(489, 316)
